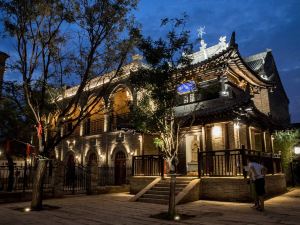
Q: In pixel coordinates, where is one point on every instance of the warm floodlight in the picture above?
(177, 217)
(27, 209)
(297, 150)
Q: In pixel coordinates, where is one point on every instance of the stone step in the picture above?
(158, 192)
(165, 188)
(168, 185)
(153, 200)
(155, 196)
(154, 192)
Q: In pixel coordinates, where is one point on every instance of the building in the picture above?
(238, 110)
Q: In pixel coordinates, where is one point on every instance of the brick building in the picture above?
(239, 110)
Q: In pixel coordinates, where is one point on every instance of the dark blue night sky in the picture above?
(259, 24)
(273, 24)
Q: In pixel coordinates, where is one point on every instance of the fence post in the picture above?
(199, 163)
(161, 159)
(92, 178)
(244, 161)
(272, 163)
(132, 166)
(58, 179)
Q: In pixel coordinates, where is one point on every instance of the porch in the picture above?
(223, 163)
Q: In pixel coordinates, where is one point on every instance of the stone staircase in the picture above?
(159, 193)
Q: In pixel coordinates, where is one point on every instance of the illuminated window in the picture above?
(192, 97)
(186, 99)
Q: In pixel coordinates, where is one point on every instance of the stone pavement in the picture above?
(116, 209)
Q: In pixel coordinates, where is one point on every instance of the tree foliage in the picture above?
(284, 142)
(61, 42)
(157, 82)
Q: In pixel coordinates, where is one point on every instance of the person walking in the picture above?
(251, 182)
(258, 171)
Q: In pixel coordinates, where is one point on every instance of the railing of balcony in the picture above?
(233, 162)
(147, 165)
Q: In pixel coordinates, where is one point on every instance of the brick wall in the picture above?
(237, 189)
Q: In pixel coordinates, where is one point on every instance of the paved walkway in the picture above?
(116, 209)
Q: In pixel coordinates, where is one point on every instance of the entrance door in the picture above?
(70, 173)
(120, 168)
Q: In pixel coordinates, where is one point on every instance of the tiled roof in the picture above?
(206, 53)
(256, 63)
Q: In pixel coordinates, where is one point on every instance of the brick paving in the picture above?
(116, 209)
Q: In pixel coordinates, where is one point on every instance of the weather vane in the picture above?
(201, 31)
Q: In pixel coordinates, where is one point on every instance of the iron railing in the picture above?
(21, 178)
(147, 165)
(107, 176)
(76, 179)
(233, 162)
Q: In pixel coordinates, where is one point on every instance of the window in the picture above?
(185, 99)
(87, 126)
(192, 97)
(69, 127)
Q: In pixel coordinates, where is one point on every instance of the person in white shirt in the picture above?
(258, 172)
(251, 183)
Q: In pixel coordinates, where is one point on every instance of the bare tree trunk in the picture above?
(172, 210)
(37, 187)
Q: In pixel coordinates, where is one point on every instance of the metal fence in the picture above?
(233, 162)
(107, 176)
(21, 178)
(147, 165)
(76, 179)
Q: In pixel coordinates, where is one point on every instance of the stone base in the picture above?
(139, 183)
(112, 189)
(236, 188)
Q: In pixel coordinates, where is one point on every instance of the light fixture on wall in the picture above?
(216, 131)
(236, 123)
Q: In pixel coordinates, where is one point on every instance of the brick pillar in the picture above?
(92, 178)
(58, 179)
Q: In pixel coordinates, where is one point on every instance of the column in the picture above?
(248, 137)
(263, 141)
(106, 120)
(226, 136)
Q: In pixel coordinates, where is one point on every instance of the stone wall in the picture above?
(237, 189)
(139, 183)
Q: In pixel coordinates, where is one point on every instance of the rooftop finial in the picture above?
(201, 31)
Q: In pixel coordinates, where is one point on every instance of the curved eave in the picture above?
(251, 76)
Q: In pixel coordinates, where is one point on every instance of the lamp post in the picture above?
(296, 158)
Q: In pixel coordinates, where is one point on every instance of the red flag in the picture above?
(27, 150)
(39, 129)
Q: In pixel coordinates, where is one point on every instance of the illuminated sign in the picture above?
(186, 87)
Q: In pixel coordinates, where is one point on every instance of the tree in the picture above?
(157, 85)
(15, 128)
(58, 41)
(284, 142)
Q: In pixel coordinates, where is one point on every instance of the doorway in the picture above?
(120, 168)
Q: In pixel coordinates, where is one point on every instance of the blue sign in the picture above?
(186, 87)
